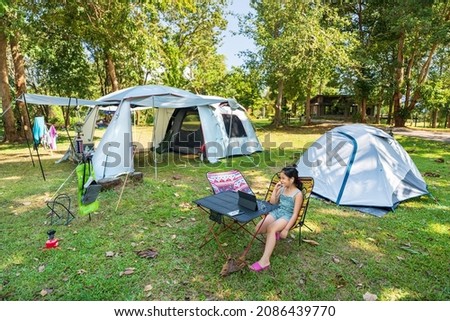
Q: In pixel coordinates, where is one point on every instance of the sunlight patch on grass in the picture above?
(364, 245)
(11, 178)
(12, 260)
(393, 294)
(443, 229)
(439, 184)
(341, 211)
(31, 202)
(317, 229)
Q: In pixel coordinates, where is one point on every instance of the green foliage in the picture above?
(189, 47)
(298, 43)
(312, 47)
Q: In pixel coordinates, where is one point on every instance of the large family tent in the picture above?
(213, 126)
(363, 167)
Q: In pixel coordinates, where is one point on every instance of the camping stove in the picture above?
(51, 242)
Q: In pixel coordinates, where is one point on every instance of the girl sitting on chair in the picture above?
(287, 193)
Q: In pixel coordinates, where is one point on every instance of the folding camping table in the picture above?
(224, 209)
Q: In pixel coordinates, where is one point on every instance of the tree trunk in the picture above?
(378, 106)
(277, 118)
(9, 122)
(21, 87)
(399, 78)
(391, 107)
(434, 118)
(137, 117)
(112, 73)
(448, 120)
(308, 107)
(364, 110)
(422, 78)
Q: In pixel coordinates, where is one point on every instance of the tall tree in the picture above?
(299, 44)
(8, 116)
(189, 46)
(20, 84)
(419, 29)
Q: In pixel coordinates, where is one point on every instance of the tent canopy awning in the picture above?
(59, 101)
(139, 97)
(156, 96)
(169, 101)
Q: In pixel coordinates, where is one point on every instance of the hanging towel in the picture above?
(52, 134)
(39, 129)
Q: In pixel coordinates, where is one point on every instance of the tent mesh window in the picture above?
(191, 121)
(189, 138)
(236, 129)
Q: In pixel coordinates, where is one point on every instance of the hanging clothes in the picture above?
(51, 137)
(39, 129)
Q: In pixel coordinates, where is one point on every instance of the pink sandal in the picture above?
(256, 267)
(277, 236)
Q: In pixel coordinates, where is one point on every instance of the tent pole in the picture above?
(40, 163)
(155, 121)
(26, 136)
(66, 117)
(229, 129)
(37, 149)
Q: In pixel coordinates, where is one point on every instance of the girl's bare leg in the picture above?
(276, 226)
(261, 227)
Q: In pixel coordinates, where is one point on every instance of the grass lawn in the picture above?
(403, 256)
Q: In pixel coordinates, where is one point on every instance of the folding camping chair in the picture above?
(307, 187)
(231, 180)
(228, 181)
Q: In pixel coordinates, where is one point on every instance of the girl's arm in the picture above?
(297, 204)
(275, 197)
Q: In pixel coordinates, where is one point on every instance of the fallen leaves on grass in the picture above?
(185, 206)
(109, 254)
(148, 289)
(233, 265)
(358, 264)
(431, 174)
(311, 242)
(339, 281)
(369, 297)
(147, 254)
(44, 292)
(410, 250)
(335, 259)
(128, 271)
(81, 271)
